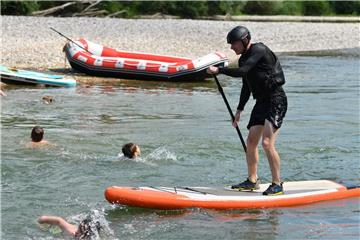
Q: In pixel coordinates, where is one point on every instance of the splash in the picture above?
(97, 218)
(158, 155)
(121, 157)
(161, 154)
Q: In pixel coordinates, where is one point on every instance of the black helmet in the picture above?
(238, 33)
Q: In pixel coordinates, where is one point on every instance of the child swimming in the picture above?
(37, 138)
(131, 150)
(84, 231)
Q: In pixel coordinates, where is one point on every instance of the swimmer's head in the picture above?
(37, 134)
(131, 150)
(48, 99)
(86, 229)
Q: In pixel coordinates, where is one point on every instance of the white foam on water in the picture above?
(96, 216)
(129, 228)
(121, 157)
(156, 156)
(160, 154)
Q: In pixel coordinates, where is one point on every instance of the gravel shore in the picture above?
(28, 42)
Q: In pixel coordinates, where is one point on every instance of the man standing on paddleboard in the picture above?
(262, 76)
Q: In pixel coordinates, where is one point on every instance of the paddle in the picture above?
(230, 112)
(70, 40)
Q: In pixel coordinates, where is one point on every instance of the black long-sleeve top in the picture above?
(254, 64)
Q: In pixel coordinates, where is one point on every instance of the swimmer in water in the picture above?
(37, 138)
(84, 231)
(131, 150)
(47, 99)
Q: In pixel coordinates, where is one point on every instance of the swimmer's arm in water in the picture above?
(64, 225)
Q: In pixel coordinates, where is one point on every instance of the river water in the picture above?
(186, 139)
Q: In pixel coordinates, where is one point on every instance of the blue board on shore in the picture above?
(18, 76)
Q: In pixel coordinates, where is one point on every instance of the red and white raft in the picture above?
(99, 60)
(296, 193)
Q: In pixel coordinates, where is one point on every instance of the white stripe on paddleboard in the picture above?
(209, 197)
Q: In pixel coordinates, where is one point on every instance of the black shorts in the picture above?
(273, 109)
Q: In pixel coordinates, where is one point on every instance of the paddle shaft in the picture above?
(230, 112)
(69, 40)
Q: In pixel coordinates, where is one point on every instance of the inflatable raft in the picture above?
(18, 76)
(98, 60)
(296, 193)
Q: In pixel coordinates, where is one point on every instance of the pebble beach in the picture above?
(28, 42)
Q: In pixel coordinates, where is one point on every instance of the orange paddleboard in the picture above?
(296, 193)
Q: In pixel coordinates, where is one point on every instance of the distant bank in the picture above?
(28, 42)
(284, 18)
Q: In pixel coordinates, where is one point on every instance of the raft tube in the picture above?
(97, 60)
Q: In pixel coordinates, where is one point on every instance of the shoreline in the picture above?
(26, 46)
(262, 18)
(286, 18)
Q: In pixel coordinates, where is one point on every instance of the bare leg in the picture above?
(268, 143)
(252, 154)
(64, 225)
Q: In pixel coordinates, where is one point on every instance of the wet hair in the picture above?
(86, 229)
(129, 150)
(37, 134)
(48, 99)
